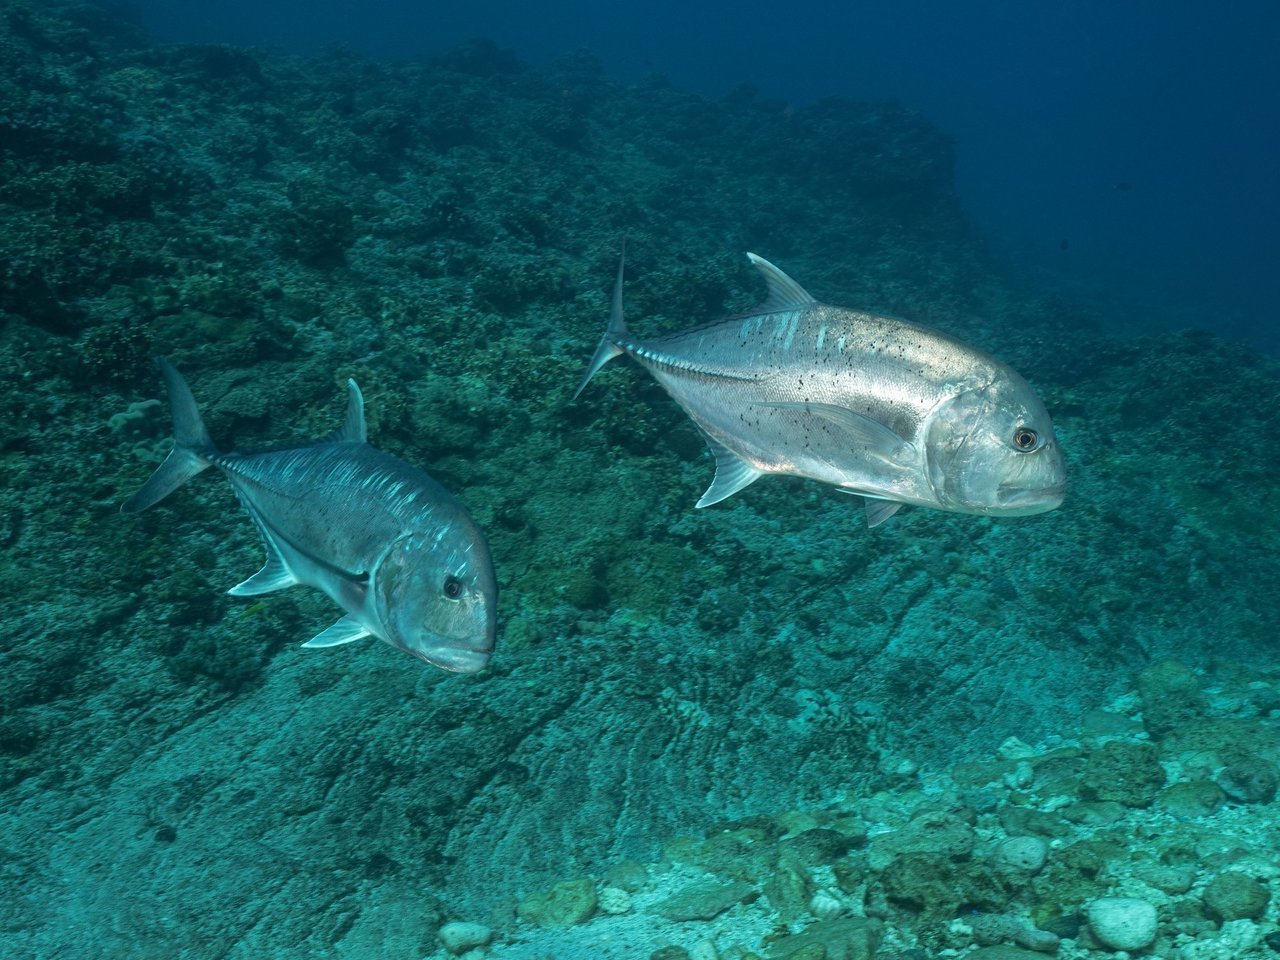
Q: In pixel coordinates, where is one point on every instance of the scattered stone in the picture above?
(1106, 723)
(1022, 854)
(1236, 939)
(627, 875)
(992, 928)
(1002, 952)
(816, 847)
(1235, 896)
(1020, 777)
(825, 905)
(704, 901)
(1023, 820)
(564, 905)
(459, 937)
(1123, 923)
(851, 938)
(1171, 696)
(1033, 938)
(1250, 781)
(849, 873)
(738, 853)
(855, 828)
(1014, 749)
(934, 832)
(938, 886)
(670, 952)
(1128, 773)
(614, 901)
(704, 950)
(794, 822)
(1191, 800)
(788, 890)
(1171, 879)
(1094, 813)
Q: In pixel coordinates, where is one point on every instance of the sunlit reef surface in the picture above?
(181, 780)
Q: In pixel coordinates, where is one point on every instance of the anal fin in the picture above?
(732, 473)
(274, 575)
(344, 631)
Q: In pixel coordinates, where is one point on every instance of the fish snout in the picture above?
(458, 659)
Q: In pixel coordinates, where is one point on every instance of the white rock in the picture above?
(613, 900)
(1123, 923)
(1014, 749)
(459, 937)
(704, 950)
(825, 905)
(1024, 854)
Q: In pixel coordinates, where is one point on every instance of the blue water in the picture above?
(1128, 151)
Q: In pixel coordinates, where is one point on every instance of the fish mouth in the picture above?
(1024, 501)
(456, 659)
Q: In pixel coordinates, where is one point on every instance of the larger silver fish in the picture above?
(895, 412)
(391, 546)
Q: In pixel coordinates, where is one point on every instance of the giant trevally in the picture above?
(890, 410)
(390, 545)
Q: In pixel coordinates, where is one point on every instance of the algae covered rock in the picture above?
(852, 938)
(935, 832)
(564, 905)
(628, 875)
(704, 901)
(1192, 799)
(1171, 695)
(1003, 952)
(1022, 854)
(936, 885)
(459, 937)
(1235, 896)
(1128, 773)
(788, 891)
(1250, 780)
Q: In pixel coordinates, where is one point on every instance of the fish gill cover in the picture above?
(179, 779)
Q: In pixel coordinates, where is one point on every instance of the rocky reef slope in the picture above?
(178, 775)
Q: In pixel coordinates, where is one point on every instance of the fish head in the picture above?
(436, 597)
(991, 450)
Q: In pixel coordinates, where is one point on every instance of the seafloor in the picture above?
(947, 736)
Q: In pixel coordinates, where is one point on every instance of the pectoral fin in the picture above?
(344, 631)
(878, 511)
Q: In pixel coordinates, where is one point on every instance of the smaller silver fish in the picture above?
(883, 408)
(390, 545)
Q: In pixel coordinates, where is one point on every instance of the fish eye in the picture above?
(452, 588)
(1025, 439)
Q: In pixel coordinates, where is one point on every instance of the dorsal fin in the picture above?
(784, 293)
(353, 429)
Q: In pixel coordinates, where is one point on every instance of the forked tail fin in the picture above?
(608, 348)
(191, 445)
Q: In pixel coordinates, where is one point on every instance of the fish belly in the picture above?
(757, 421)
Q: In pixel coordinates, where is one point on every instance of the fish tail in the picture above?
(608, 348)
(192, 446)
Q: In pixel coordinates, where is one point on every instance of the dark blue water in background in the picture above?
(1124, 151)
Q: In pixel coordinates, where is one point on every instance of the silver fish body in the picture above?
(890, 410)
(392, 547)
